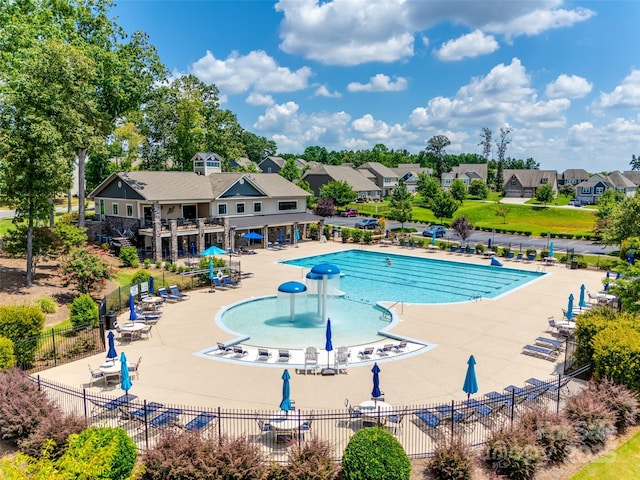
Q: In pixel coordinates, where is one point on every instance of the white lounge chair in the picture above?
(263, 355)
(311, 360)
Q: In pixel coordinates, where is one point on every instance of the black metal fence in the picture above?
(57, 346)
(418, 427)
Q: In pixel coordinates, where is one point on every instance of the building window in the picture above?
(513, 182)
(239, 207)
(292, 205)
(114, 208)
(129, 210)
(586, 190)
(268, 169)
(257, 207)
(544, 180)
(211, 164)
(599, 190)
(222, 209)
(199, 163)
(447, 181)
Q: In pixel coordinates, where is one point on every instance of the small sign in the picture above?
(133, 290)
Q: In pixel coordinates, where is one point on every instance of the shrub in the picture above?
(186, 455)
(147, 263)
(46, 304)
(616, 354)
(22, 406)
(356, 235)
(451, 460)
(514, 453)
(7, 357)
(84, 312)
(552, 432)
(101, 453)
(84, 270)
(367, 237)
(158, 264)
(312, 460)
(592, 420)
(479, 247)
(22, 324)
(129, 257)
(620, 399)
(53, 432)
(140, 276)
(375, 454)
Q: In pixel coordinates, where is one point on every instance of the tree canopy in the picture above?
(339, 191)
(401, 204)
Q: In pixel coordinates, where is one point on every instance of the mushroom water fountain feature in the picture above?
(323, 275)
(292, 289)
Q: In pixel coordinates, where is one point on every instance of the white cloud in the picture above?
(566, 86)
(257, 99)
(379, 83)
(257, 70)
(538, 21)
(277, 116)
(627, 94)
(473, 44)
(323, 91)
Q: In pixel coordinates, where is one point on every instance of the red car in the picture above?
(349, 212)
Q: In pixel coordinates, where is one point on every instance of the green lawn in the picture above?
(622, 463)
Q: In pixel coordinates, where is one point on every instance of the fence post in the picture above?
(84, 402)
(219, 426)
(452, 422)
(558, 395)
(53, 340)
(513, 405)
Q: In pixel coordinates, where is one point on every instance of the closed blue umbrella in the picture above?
(570, 307)
(280, 236)
(193, 249)
(328, 345)
(488, 243)
(582, 302)
(152, 288)
(132, 308)
(285, 404)
(111, 354)
(433, 238)
(551, 249)
(125, 382)
(297, 234)
(376, 393)
(211, 274)
(470, 386)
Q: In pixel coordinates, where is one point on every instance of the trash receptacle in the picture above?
(110, 320)
(574, 264)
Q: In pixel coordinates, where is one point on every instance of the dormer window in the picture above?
(544, 180)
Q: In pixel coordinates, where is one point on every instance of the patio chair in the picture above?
(176, 292)
(540, 352)
(519, 257)
(168, 417)
(262, 425)
(117, 402)
(228, 282)
(426, 418)
(199, 422)
(311, 360)
(394, 422)
(223, 349)
(95, 375)
(454, 248)
(218, 284)
(342, 360)
(531, 257)
(551, 388)
(510, 255)
(400, 347)
(553, 325)
(134, 370)
(284, 355)
(263, 355)
(366, 353)
(549, 343)
(141, 413)
(385, 350)
(166, 296)
(122, 334)
(239, 351)
(146, 331)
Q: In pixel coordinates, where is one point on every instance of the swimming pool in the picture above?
(267, 322)
(367, 277)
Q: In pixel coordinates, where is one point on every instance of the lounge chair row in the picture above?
(383, 351)
(224, 283)
(174, 296)
(158, 416)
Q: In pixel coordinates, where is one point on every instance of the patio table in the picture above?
(152, 303)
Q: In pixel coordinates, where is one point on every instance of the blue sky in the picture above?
(349, 74)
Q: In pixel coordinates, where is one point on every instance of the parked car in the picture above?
(349, 212)
(367, 223)
(575, 203)
(439, 230)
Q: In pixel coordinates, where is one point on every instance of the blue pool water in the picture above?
(368, 277)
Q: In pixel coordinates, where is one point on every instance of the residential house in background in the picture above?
(206, 163)
(168, 215)
(524, 183)
(409, 173)
(633, 175)
(588, 192)
(573, 176)
(271, 164)
(467, 172)
(319, 176)
(241, 162)
(385, 178)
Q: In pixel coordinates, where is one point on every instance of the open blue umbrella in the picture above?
(211, 251)
(111, 354)
(285, 404)
(582, 302)
(125, 380)
(328, 345)
(253, 236)
(470, 386)
(376, 393)
(570, 307)
(132, 308)
(152, 288)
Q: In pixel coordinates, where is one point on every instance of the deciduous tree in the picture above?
(289, 170)
(436, 147)
(545, 194)
(458, 189)
(463, 227)
(428, 187)
(401, 204)
(84, 270)
(479, 189)
(340, 191)
(443, 205)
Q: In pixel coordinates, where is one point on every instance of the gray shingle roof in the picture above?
(343, 173)
(379, 168)
(532, 177)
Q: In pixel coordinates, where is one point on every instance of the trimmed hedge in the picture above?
(19, 323)
(616, 355)
(7, 357)
(84, 312)
(375, 454)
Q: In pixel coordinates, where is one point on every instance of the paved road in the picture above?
(502, 240)
(4, 213)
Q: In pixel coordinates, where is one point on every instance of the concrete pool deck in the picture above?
(175, 370)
